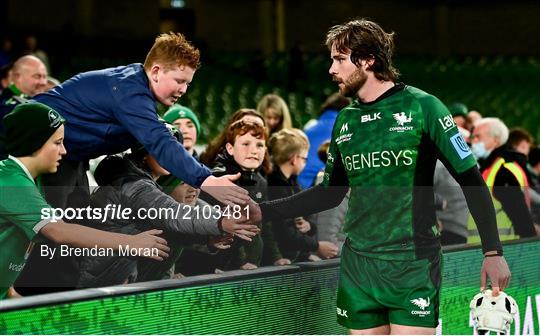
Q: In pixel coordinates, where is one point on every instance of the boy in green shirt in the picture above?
(34, 141)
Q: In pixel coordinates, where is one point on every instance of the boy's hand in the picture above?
(149, 239)
(224, 190)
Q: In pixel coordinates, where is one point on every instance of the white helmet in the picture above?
(493, 313)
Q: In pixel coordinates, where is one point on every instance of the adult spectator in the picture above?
(520, 140)
(320, 132)
(503, 170)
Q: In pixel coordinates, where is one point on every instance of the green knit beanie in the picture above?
(458, 109)
(28, 127)
(181, 112)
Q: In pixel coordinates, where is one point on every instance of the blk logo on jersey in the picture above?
(370, 117)
(460, 146)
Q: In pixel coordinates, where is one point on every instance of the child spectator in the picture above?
(276, 113)
(187, 123)
(35, 135)
(130, 181)
(246, 153)
(217, 145)
(296, 238)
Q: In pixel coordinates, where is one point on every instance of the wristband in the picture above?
(498, 254)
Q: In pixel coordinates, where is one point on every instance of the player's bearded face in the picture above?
(354, 83)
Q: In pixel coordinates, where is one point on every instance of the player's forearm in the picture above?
(481, 207)
(306, 202)
(81, 236)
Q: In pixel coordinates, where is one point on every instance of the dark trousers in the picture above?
(68, 187)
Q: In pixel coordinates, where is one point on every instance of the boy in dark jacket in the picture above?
(246, 154)
(296, 238)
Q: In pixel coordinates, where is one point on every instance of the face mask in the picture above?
(479, 150)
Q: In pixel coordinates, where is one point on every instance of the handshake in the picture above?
(245, 227)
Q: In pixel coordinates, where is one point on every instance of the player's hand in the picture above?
(496, 269)
(327, 250)
(224, 190)
(150, 239)
(282, 261)
(302, 225)
(240, 228)
(255, 213)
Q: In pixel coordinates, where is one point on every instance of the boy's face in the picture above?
(169, 85)
(299, 162)
(50, 154)
(188, 130)
(247, 151)
(184, 193)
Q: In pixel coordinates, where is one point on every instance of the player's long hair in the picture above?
(365, 40)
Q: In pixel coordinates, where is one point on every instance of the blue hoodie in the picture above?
(317, 134)
(107, 111)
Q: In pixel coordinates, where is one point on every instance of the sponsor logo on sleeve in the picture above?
(447, 123)
(460, 146)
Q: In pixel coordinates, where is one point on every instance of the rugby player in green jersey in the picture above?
(384, 147)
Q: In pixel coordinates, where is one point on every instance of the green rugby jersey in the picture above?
(386, 152)
(20, 219)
